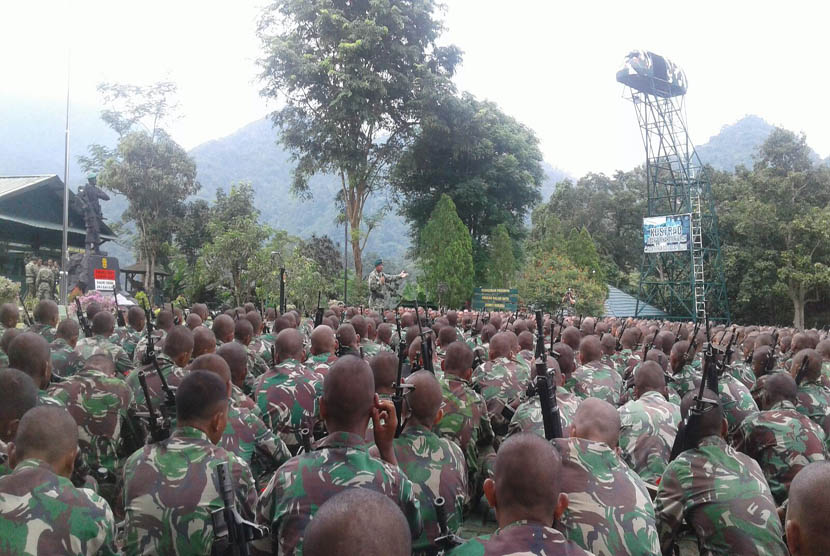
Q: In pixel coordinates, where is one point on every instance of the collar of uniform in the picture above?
(320, 357)
(711, 440)
(190, 432)
(653, 394)
(288, 363)
(783, 404)
(452, 378)
(366, 341)
(501, 361)
(60, 342)
(32, 463)
(342, 439)
(526, 522)
(593, 446)
(415, 430)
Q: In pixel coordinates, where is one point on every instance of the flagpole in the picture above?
(65, 243)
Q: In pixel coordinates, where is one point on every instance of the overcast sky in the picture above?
(548, 63)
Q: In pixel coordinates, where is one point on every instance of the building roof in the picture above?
(31, 212)
(140, 268)
(620, 305)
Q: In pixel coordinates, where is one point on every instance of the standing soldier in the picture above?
(44, 282)
(31, 277)
(380, 287)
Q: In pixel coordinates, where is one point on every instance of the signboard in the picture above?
(666, 234)
(104, 272)
(495, 299)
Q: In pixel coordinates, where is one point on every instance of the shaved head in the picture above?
(338, 529)
(204, 341)
(289, 345)
(223, 327)
(103, 323)
(459, 358)
(447, 335)
(808, 507)
(572, 336)
(69, 330)
(46, 312)
(712, 421)
(348, 393)
(29, 352)
(500, 345)
(385, 371)
(193, 321)
(813, 366)
(649, 378)
(779, 387)
(597, 420)
(322, 340)
(425, 400)
(243, 331)
(178, 342)
(346, 335)
(9, 315)
(527, 478)
(236, 357)
(608, 344)
(566, 357)
(589, 349)
(46, 433)
(18, 394)
(214, 364)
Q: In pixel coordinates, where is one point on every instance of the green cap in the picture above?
(378, 261)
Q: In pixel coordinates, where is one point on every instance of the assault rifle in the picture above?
(561, 322)
(169, 406)
(474, 331)
(157, 422)
(579, 322)
(802, 371)
(710, 368)
(82, 319)
(648, 347)
(232, 533)
(176, 320)
(769, 365)
(446, 539)
(547, 394)
(400, 387)
(727, 355)
(692, 346)
(426, 352)
(620, 335)
(318, 314)
(118, 314)
(27, 318)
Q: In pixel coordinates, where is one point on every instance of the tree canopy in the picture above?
(446, 254)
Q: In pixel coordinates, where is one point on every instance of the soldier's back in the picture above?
(254, 443)
(814, 402)
(648, 427)
(528, 416)
(596, 380)
(609, 509)
(465, 420)
(171, 489)
(65, 360)
(87, 347)
(521, 538)
(43, 513)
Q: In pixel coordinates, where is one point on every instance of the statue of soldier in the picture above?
(91, 195)
(381, 285)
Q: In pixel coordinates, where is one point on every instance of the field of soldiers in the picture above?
(394, 432)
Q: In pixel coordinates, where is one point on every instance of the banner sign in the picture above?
(104, 273)
(665, 234)
(495, 299)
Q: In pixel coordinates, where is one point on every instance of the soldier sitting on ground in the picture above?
(807, 511)
(30, 353)
(9, 316)
(18, 395)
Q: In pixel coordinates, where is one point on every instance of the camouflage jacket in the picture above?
(87, 347)
(436, 467)
(521, 538)
(42, 513)
(723, 495)
(262, 348)
(48, 332)
(172, 374)
(609, 509)
(43, 398)
(98, 403)
(256, 365)
(782, 441)
(625, 360)
(528, 416)
(287, 396)
(647, 430)
(595, 380)
(321, 363)
(128, 338)
(141, 347)
(465, 421)
(306, 481)
(814, 402)
(369, 348)
(65, 360)
(499, 383)
(743, 373)
(684, 380)
(170, 490)
(242, 400)
(247, 436)
(736, 400)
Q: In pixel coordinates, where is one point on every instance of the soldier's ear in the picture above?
(490, 493)
(438, 417)
(561, 506)
(13, 457)
(793, 533)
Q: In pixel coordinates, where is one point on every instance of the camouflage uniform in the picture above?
(287, 396)
(380, 295)
(87, 347)
(256, 365)
(723, 495)
(436, 468)
(743, 373)
(521, 538)
(735, 399)
(170, 490)
(173, 374)
(782, 441)
(369, 348)
(45, 399)
(65, 360)
(159, 336)
(247, 436)
(45, 283)
(128, 338)
(499, 385)
(465, 421)
(42, 513)
(98, 403)
(262, 348)
(595, 380)
(528, 416)
(48, 332)
(814, 402)
(4, 460)
(684, 380)
(609, 509)
(625, 360)
(306, 481)
(321, 363)
(647, 430)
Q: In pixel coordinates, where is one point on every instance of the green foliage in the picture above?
(486, 161)
(548, 275)
(353, 77)
(502, 264)
(9, 290)
(192, 229)
(446, 253)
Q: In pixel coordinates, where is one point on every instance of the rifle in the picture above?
(547, 395)
(27, 318)
(474, 331)
(426, 356)
(688, 433)
(727, 356)
(619, 336)
(561, 323)
(579, 322)
(677, 335)
(176, 320)
(692, 346)
(400, 387)
(802, 371)
(157, 422)
(446, 539)
(150, 357)
(118, 314)
(232, 533)
(318, 314)
(305, 440)
(710, 367)
(82, 319)
(770, 362)
(650, 346)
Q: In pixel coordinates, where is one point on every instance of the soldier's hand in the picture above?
(385, 422)
(382, 279)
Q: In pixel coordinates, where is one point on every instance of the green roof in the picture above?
(621, 305)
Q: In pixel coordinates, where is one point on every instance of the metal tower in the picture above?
(688, 284)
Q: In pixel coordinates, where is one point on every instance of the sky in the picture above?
(550, 64)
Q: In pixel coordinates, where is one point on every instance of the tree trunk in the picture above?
(354, 239)
(150, 277)
(798, 295)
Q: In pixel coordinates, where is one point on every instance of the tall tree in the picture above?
(446, 253)
(148, 167)
(486, 161)
(353, 77)
(502, 265)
